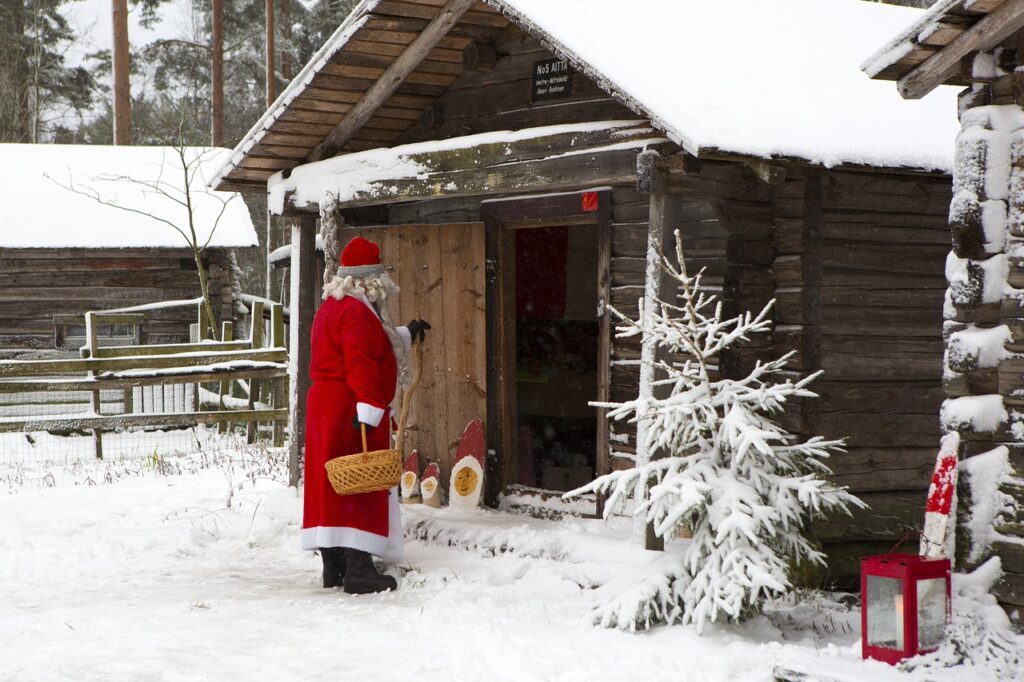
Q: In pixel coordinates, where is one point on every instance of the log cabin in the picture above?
(518, 161)
(977, 45)
(65, 249)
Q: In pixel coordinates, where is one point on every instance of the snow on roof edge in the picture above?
(894, 50)
(600, 79)
(352, 23)
(115, 197)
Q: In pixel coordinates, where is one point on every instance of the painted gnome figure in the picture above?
(359, 358)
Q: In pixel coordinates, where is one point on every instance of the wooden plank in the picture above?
(303, 308)
(991, 30)
(464, 326)
(89, 350)
(889, 516)
(421, 281)
(69, 423)
(391, 79)
(169, 349)
(602, 459)
(27, 368)
(419, 10)
(567, 172)
(104, 383)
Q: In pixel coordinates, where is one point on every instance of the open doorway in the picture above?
(556, 355)
(548, 338)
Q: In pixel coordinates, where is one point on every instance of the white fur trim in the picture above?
(390, 548)
(368, 414)
(360, 271)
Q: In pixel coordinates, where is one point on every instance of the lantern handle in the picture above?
(902, 540)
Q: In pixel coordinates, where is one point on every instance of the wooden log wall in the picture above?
(859, 262)
(985, 308)
(498, 97)
(36, 284)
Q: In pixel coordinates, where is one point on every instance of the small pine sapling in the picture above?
(721, 467)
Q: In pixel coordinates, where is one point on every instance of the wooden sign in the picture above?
(467, 481)
(552, 79)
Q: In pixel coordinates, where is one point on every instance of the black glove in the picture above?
(356, 424)
(418, 328)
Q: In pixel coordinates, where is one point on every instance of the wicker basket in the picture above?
(365, 472)
(368, 472)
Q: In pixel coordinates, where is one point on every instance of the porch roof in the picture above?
(928, 52)
(739, 77)
(458, 165)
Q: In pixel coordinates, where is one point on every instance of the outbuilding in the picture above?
(522, 161)
(102, 227)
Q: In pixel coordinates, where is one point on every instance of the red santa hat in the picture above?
(360, 258)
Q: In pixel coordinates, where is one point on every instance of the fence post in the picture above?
(90, 351)
(279, 386)
(255, 341)
(227, 333)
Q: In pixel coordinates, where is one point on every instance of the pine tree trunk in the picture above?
(122, 65)
(271, 90)
(217, 74)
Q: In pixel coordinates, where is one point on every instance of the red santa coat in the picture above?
(354, 370)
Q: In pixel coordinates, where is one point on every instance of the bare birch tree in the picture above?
(181, 192)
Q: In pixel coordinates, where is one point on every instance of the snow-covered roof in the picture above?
(745, 77)
(48, 198)
(754, 78)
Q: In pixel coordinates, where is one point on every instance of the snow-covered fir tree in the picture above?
(722, 468)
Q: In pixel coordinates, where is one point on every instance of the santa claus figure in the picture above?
(359, 359)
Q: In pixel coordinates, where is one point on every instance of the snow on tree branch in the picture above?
(723, 469)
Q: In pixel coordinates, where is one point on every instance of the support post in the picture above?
(90, 351)
(302, 304)
(663, 217)
(255, 341)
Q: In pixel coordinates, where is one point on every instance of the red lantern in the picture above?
(905, 605)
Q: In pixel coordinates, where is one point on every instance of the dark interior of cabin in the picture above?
(556, 355)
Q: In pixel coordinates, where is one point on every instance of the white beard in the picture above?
(378, 289)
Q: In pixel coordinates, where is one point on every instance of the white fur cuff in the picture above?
(368, 414)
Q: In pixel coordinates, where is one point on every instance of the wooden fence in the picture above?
(221, 382)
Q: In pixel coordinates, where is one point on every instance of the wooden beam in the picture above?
(303, 307)
(991, 30)
(28, 368)
(616, 167)
(391, 80)
(185, 376)
(63, 423)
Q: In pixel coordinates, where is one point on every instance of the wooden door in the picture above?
(440, 271)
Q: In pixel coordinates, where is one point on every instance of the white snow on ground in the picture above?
(39, 175)
(152, 576)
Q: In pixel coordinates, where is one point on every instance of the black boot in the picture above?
(361, 576)
(334, 566)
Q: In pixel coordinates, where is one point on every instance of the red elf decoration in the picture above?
(359, 359)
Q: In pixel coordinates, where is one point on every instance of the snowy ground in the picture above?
(138, 570)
